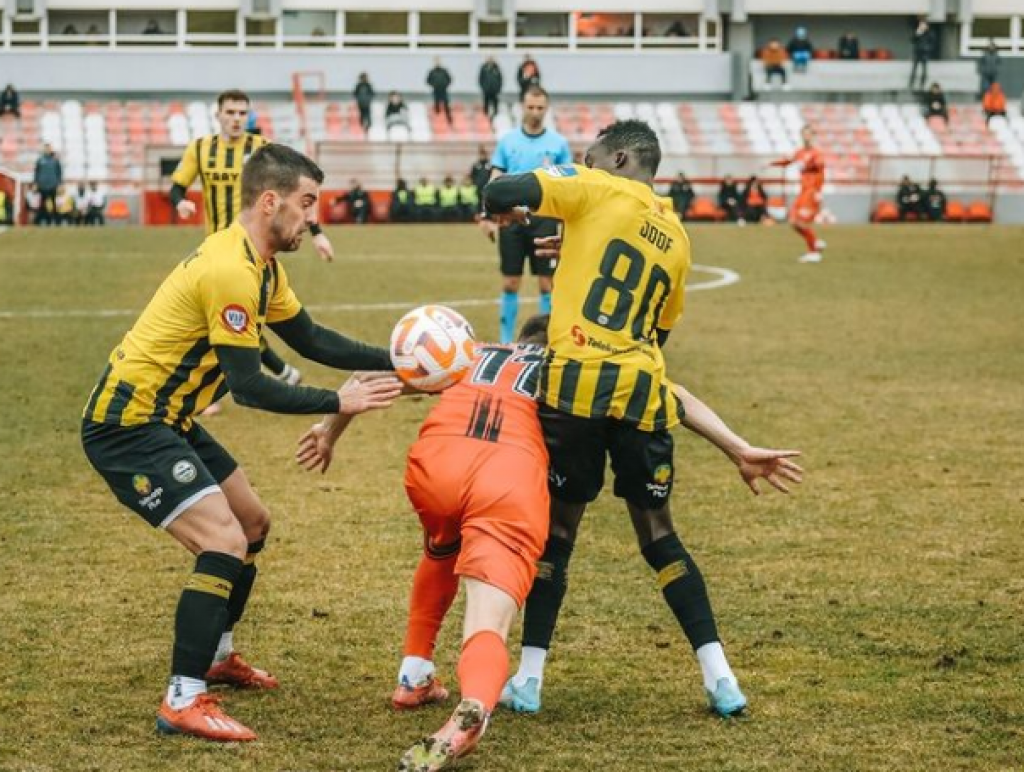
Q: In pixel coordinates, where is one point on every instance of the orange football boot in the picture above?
(235, 671)
(203, 718)
(412, 697)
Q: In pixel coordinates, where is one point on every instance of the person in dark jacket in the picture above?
(800, 50)
(491, 81)
(988, 67)
(440, 80)
(934, 202)
(10, 102)
(682, 195)
(48, 178)
(849, 46)
(358, 201)
(364, 94)
(935, 103)
(753, 200)
(480, 172)
(528, 75)
(729, 199)
(923, 43)
(402, 209)
(908, 199)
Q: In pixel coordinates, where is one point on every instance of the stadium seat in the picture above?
(955, 211)
(118, 210)
(704, 210)
(886, 211)
(979, 212)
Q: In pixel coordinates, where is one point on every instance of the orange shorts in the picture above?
(494, 497)
(806, 207)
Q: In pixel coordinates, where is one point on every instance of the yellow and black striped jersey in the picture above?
(621, 276)
(218, 165)
(165, 369)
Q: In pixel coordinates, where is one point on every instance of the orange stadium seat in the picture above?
(118, 210)
(704, 210)
(979, 211)
(886, 211)
(955, 211)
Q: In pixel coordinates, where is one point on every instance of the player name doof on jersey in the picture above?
(656, 237)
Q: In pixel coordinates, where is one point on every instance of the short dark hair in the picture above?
(535, 330)
(278, 168)
(232, 95)
(636, 136)
(536, 90)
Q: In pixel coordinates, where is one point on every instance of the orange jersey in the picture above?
(812, 168)
(496, 401)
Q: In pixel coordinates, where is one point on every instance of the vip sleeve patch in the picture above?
(235, 318)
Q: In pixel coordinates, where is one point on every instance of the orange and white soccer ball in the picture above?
(432, 348)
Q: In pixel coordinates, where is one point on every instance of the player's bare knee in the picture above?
(651, 524)
(510, 283)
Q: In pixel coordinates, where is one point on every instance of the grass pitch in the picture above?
(874, 617)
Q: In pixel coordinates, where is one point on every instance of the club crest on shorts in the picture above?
(142, 485)
(235, 318)
(184, 471)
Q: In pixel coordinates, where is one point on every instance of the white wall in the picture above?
(151, 72)
(855, 7)
(999, 8)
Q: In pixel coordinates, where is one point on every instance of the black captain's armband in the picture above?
(315, 229)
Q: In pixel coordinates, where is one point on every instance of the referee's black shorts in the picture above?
(515, 246)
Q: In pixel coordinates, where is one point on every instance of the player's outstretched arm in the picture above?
(328, 347)
(753, 463)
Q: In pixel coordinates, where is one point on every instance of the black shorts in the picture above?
(156, 470)
(641, 461)
(515, 246)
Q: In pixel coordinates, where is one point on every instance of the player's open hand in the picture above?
(772, 465)
(359, 395)
(548, 247)
(316, 450)
(323, 247)
(185, 209)
(489, 228)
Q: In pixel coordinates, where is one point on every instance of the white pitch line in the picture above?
(725, 278)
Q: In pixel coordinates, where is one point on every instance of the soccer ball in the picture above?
(432, 347)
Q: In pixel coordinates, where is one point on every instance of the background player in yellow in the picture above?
(618, 290)
(196, 340)
(217, 161)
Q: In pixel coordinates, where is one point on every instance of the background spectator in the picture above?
(682, 195)
(935, 103)
(6, 209)
(364, 94)
(527, 75)
(440, 80)
(33, 203)
(754, 200)
(729, 199)
(935, 202)
(849, 46)
(677, 30)
(988, 67)
(95, 214)
(397, 112)
(994, 102)
(81, 204)
(48, 177)
(922, 41)
(448, 200)
(491, 81)
(469, 199)
(67, 214)
(401, 209)
(252, 121)
(908, 199)
(774, 57)
(358, 201)
(480, 172)
(10, 101)
(152, 28)
(800, 50)
(424, 198)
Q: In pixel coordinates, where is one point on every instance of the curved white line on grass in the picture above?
(725, 277)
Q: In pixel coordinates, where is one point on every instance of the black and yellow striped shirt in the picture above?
(218, 165)
(165, 370)
(621, 277)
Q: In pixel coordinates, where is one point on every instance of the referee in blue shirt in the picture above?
(521, 150)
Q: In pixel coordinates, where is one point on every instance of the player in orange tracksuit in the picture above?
(808, 202)
(478, 479)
